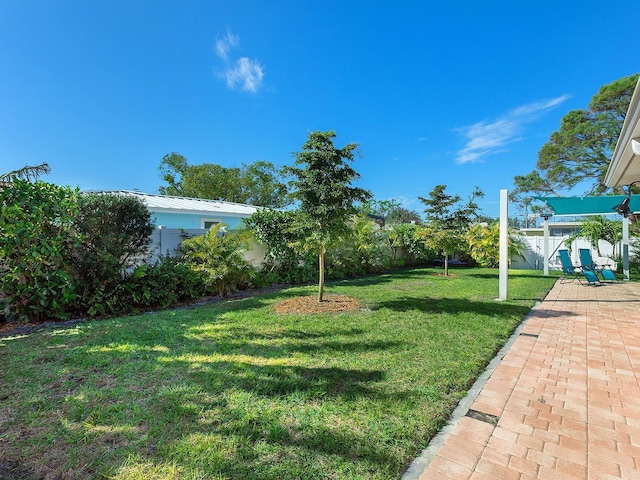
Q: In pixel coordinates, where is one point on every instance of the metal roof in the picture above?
(589, 205)
(166, 203)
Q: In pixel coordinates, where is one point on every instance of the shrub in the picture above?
(36, 244)
(219, 256)
(158, 285)
(407, 246)
(484, 244)
(114, 232)
(274, 229)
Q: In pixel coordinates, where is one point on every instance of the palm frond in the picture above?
(29, 173)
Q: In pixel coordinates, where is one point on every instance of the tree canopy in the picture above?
(578, 154)
(259, 183)
(322, 182)
(392, 211)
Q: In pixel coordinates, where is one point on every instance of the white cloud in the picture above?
(242, 73)
(246, 73)
(225, 44)
(486, 138)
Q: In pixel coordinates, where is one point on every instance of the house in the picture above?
(556, 229)
(189, 213)
(176, 218)
(624, 170)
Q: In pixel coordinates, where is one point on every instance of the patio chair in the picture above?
(588, 265)
(592, 278)
(568, 268)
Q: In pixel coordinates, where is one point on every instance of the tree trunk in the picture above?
(446, 265)
(321, 268)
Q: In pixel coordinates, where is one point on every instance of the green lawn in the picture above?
(233, 390)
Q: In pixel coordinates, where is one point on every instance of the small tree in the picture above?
(322, 179)
(448, 221)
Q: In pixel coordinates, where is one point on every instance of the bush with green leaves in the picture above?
(115, 234)
(158, 285)
(484, 245)
(219, 256)
(36, 244)
(363, 251)
(407, 245)
(275, 230)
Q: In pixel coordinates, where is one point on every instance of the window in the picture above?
(209, 222)
(562, 231)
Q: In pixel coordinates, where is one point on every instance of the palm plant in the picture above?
(29, 173)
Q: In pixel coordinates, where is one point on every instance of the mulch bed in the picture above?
(310, 305)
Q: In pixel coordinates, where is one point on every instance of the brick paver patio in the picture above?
(564, 401)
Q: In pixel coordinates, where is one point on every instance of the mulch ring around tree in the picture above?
(310, 304)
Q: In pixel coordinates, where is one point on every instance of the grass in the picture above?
(232, 390)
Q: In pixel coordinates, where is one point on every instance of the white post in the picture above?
(504, 244)
(545, 245)
(625, 248)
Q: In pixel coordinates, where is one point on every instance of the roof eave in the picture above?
(623, 160)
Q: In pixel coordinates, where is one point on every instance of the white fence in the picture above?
(533, 256)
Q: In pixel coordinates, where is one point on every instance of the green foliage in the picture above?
(595, 228)
(448, 221)
(371, 246)
(157, 285)
(391, 210)
(259, 183)
(219, 256)
(484, 244)
(36, 244)
(322, 180)
(407, 245)
(114, 232)
(579, 153)
(365, 251)
(275, 229)
(30, 173)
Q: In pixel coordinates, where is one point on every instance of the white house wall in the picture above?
(166, 241)
(193, 220)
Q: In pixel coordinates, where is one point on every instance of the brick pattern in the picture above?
(567, 394)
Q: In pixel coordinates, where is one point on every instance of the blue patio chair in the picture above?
(588, 265)
(568, 268)
(591, 277)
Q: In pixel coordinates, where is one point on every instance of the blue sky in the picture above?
(455, 93)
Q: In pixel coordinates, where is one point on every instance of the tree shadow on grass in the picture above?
(450, 305)
(268, 374)
(495, 274)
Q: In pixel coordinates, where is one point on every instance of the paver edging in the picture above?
(420, 464)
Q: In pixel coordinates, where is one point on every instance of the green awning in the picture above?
(589, 205)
